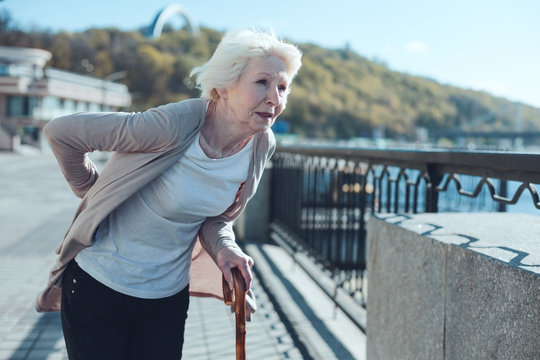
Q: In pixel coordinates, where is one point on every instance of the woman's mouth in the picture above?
(265, 115)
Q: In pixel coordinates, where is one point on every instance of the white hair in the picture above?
(233, 54)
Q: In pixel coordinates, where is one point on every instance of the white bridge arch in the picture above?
(163, 15)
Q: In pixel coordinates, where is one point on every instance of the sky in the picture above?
(475, 44)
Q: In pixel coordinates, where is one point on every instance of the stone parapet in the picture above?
(454, 286)
(252, 225)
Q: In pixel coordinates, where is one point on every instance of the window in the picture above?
(69, 106)
(4, 70)
(81, 106)
(18, 105)
(93, 107)
(50, 107)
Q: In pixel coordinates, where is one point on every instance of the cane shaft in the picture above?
(240, 312)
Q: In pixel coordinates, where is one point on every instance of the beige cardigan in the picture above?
(144, 145)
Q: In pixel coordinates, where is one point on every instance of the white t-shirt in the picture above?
(143, 248)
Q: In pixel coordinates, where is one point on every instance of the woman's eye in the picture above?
(282, 87)
(262, 81)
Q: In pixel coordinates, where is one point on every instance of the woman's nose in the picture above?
(272, 97)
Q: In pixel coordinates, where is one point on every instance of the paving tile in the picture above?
(46, 355)
(21, 336)
(15, 345)
(13, 355)
(49, 344)
(52, 335)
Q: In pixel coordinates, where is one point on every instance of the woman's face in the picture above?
(260, 94)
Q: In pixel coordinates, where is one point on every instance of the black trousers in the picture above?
(100, 323)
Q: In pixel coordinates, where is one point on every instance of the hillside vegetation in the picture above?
(337, 94)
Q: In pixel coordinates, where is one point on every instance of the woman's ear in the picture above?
(222, 93)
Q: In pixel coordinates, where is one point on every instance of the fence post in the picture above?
(432, 194)
(503, 186)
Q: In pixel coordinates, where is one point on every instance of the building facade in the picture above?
(32, 94)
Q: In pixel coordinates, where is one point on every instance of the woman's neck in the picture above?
(217, 138)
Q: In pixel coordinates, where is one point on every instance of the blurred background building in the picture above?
(32, 94)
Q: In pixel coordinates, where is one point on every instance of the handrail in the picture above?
(502, 165)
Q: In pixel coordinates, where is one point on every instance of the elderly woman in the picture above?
(180, 174)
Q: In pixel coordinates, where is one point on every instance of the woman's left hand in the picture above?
(232, 257)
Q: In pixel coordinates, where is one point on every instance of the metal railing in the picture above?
(322, 196)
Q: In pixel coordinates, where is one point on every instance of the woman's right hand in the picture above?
(232, 257)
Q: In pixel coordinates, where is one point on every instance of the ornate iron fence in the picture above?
(322, 196)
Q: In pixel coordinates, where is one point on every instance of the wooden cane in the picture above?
(239, 303)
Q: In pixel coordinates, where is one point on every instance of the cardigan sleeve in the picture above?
(216, 234)
(72, 137)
